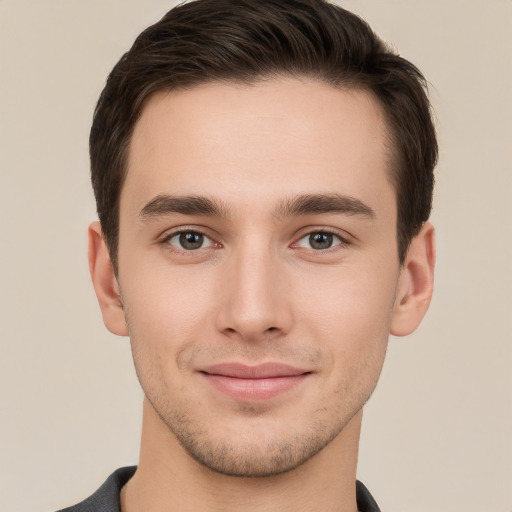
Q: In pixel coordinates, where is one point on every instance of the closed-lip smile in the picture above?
(248, 383)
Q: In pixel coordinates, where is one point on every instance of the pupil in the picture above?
(320, 240)
(191, 240)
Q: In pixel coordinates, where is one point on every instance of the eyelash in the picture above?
(342, 241)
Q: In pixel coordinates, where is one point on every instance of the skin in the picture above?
(259, 289)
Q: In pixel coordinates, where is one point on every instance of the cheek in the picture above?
(349, 300)
(165, 319)
(349, 315)
(353, 330)
(168, 298)
(166, 312)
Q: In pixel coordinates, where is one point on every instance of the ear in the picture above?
(105, 282)
(416, 283)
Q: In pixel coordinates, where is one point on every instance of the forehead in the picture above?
(260, 140)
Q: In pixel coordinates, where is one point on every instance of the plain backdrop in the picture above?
(437, 432)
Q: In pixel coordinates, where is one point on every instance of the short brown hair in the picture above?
(248, 40)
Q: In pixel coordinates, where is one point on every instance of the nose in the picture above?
(254, 302)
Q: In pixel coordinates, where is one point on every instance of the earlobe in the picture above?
(105, 282)
(416, 283)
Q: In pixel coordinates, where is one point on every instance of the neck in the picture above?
(168, 479)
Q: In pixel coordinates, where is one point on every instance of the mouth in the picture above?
(254, 383)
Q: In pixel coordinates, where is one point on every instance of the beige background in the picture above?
(437, 434)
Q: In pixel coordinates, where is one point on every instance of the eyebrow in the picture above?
(307, 204)
(162, 205)
(317, 204)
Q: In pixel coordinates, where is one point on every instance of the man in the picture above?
(263, 172)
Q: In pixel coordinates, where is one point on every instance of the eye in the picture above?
(189, 240)
(320, 240)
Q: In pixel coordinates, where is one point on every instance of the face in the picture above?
(258, 267)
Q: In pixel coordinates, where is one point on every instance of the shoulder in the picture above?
(365, 501)
(106, 498)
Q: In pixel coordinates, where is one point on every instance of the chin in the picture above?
(259, 450)
(252, 460)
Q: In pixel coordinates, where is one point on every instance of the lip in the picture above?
(253, 383)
